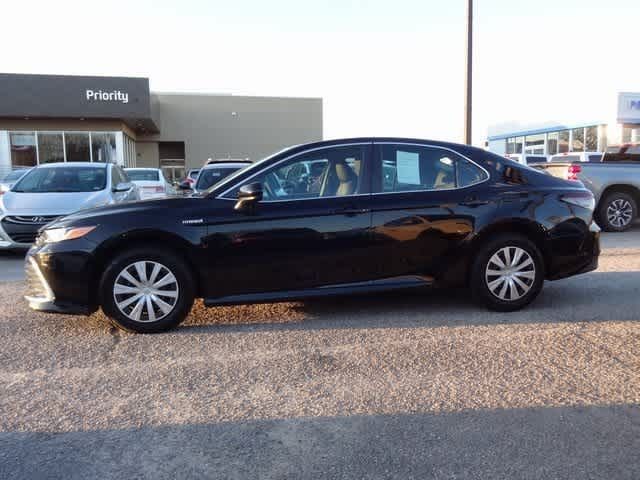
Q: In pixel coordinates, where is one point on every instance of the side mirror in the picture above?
(248, 196)
(123, 187)
(186, 185)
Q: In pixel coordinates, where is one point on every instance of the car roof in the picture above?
(142, 168)
(73, 164)
(211, 166)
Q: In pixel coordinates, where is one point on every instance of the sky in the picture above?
(383, 67)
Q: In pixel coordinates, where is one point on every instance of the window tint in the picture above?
(532, 159)
(330, 172)
(407, 168)
(143, 175)
(211, 176)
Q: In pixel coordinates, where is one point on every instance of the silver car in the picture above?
(8, 181)
(57, 189)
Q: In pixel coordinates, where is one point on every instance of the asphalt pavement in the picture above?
(408, 385)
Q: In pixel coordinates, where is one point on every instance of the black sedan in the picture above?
(329, 218)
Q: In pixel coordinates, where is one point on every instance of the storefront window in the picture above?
(552, 143)
(563, 141)
(103, 147)
(50, 147)
(534, 144)
(591, 139)
(577, 141)
(77, 145)
(23, 149)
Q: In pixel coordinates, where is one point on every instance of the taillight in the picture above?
(582, 198)
(573, 171)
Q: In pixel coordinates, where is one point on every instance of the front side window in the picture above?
(330, 172)
(408, 168)
(63, 180)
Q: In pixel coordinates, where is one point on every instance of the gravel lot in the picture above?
(405, 385)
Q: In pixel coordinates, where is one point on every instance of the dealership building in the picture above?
(54, 118)
(618, 126)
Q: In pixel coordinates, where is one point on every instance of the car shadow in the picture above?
(571, 442)
(598, 296)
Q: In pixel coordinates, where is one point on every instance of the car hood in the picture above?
(17, 203)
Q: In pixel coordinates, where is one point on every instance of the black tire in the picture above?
(480, 278)
(611, 200)
(184, 290)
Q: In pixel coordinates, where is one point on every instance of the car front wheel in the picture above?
(147, 291)
(507, 274)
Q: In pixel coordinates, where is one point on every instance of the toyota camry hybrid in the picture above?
(328, 218)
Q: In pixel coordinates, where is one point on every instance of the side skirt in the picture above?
(389, 284)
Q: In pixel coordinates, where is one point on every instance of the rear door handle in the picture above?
(350, 211)
(474, 203)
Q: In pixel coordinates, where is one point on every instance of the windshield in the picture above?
(143, 175)
(15, 175)
(210, 176)
(63, 180)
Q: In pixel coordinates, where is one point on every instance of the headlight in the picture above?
(54, 235)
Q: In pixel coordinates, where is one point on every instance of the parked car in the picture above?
(583, 157)
(528, 159)
(150, 181)
(442, 215)
(54, 190)
(192, 176)
(227, 160)
(11, 178)
(214, 172)
(614, 182)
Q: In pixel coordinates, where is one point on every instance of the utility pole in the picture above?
(468, 106)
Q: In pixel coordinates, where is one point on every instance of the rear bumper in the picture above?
(574, 255)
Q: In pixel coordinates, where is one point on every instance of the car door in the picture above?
(310, 230)
(424, 203)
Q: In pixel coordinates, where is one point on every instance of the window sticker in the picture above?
(408, 166)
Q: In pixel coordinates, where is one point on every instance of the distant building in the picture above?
(550, 138)
(54, 118)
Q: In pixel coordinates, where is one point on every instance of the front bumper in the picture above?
(59, 278)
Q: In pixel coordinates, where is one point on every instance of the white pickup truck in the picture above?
(614, 182)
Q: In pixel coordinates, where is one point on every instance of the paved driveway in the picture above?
(404, 385)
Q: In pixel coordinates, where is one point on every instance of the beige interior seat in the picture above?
(347, 180)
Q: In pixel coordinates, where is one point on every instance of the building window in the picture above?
(23, 149)
(50, 147)
(552, 143)
(577, 140)
(77, 147)
(103, 147)
(563, 141)
(591, 139)
(534, 144)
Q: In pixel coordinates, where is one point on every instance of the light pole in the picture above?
(468, 104)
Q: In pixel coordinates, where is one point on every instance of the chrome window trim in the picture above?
(324, 147)
(488, 175)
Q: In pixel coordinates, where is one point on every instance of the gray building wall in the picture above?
(228, 126)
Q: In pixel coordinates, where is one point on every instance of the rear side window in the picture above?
(408, 168)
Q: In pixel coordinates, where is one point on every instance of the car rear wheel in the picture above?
(507, 274)
(617, 212)
(147, 291)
